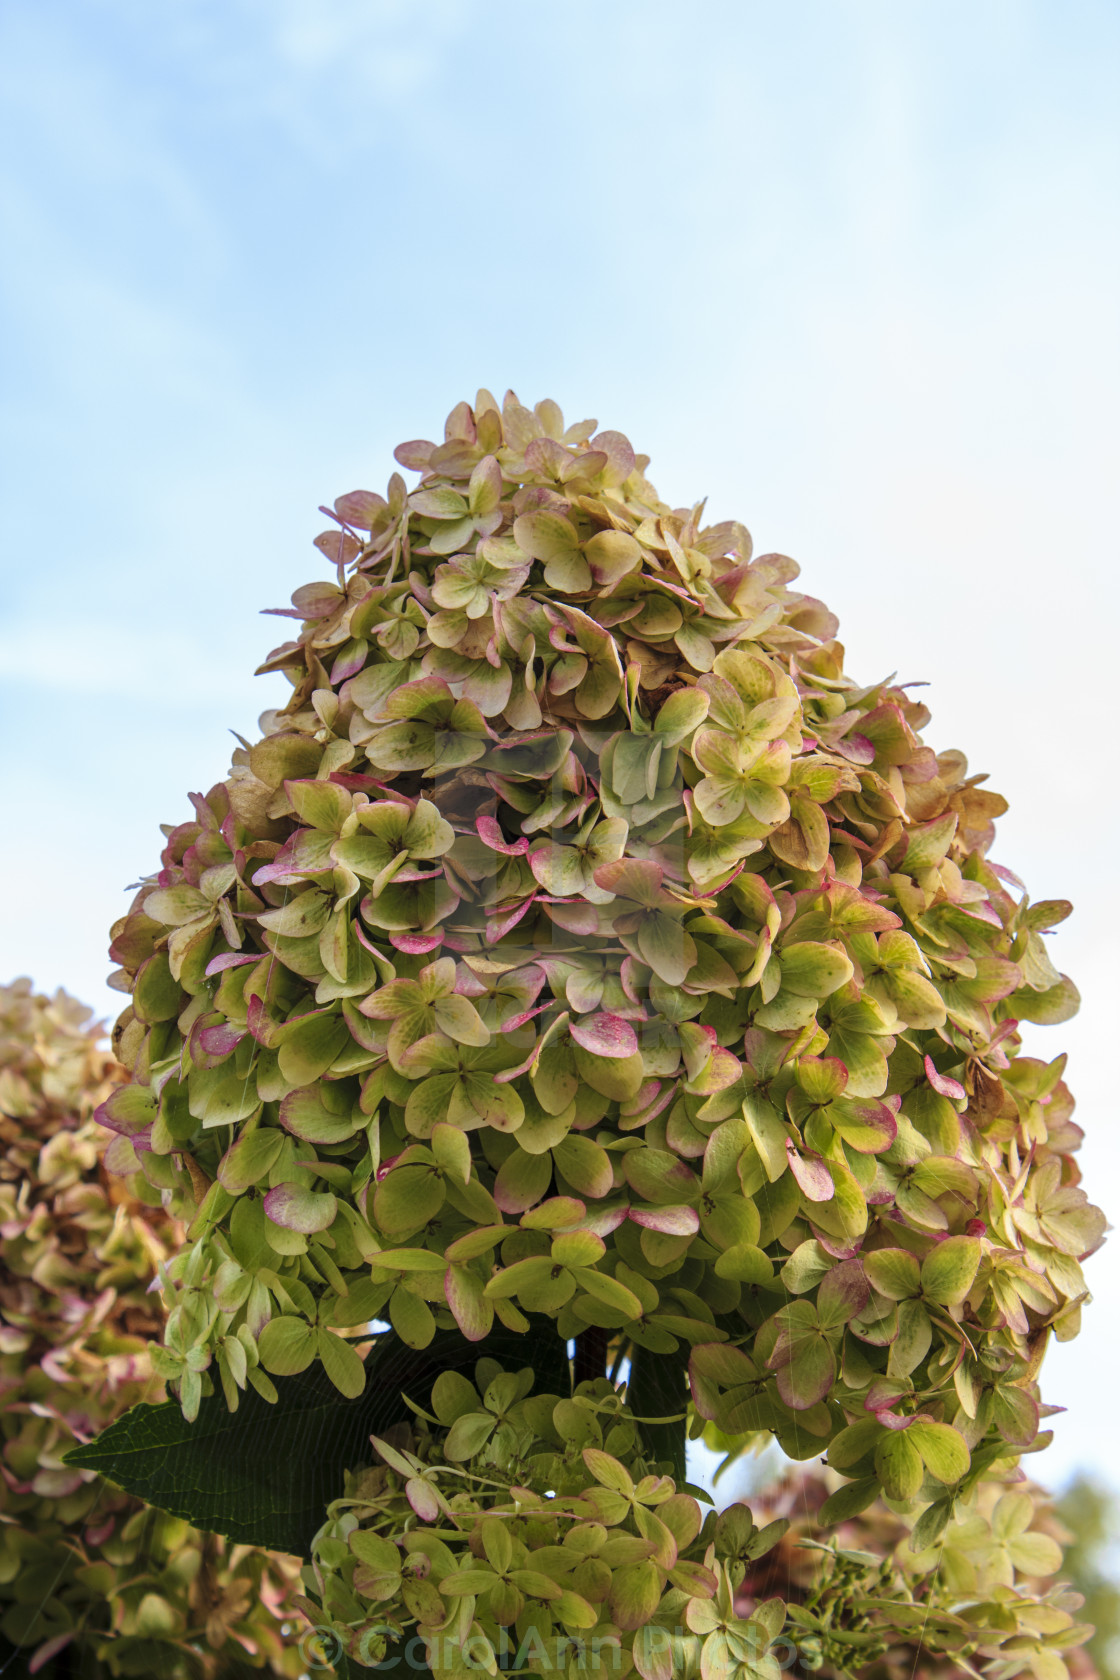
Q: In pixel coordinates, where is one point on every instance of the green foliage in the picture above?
(532, 1521)
(876, 1600)
(581, 940)
(90, 1581)
(214, 1470)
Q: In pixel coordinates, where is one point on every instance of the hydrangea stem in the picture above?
(591, 1355)
(658, 1388)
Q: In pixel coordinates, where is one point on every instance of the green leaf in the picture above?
(427, 834)
(176, 906)
(559, 870)
(547, 536)
(321, 804)
(849, 1501)
(522, 1274)
(853, 1444)
(802, 1357)
(653, 1653)
(407, 1198)
(1015, 1414)
(287, 1346)
(607, 1470)
(409, 1260)
(930, 1526)
(680, 715)
(535, 1584)
(863, 1057)
(297, 1209)
(658, 1176)
(806, 1267)
(843, 1294)
(1049, 1008)
(618, 1079)
(612, 554)
(452, 1150)
(522, 1180)
(496, 1543)
(304, 1114)
(912, 1343)
(466, 1296)
(867, 1126)
(572, 1610)
(609, 1291)
(635, 1594)
(498, 1105)
(440, 503)
(578, 1248)
(768, 1135)
(585, 1164)
(460, 1020)
(309, 1048)
(375, 1550)
(745, 1264)
(1036, 1554)
(666, 947)
(219, 1097)
(808, 1374)
(474, 1243)
(468, 1435)
(263, 1475)
(278, 757)
(412, 1318)
(633, 767)
(893, 1272)
(249, 1159)
(452, 1396)
(300, 917)
(457, 1583)
(943, 1451)
(949, 1269)
(341, 1363)
(156, 995)
(814, 970)
(899, 1465)
(821, 1078)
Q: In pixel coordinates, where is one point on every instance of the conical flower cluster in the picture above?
(581, 940)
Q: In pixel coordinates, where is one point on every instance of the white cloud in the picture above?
(396, 43)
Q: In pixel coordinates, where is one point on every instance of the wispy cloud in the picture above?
(392, 46)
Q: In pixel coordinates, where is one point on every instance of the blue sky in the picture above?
(849, 267)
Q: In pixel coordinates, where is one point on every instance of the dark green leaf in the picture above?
(263, 1475)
